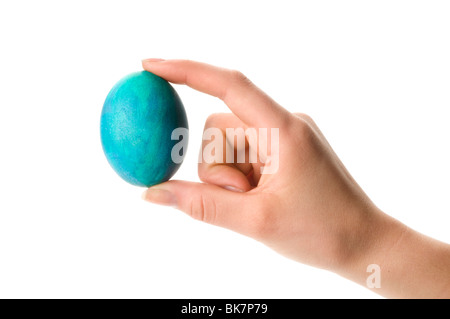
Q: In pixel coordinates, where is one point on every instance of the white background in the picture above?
(375, 75)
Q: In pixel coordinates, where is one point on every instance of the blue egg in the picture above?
(138, 118)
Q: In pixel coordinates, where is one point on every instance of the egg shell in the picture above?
(138, 118)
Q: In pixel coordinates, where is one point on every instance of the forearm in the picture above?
(411, 265)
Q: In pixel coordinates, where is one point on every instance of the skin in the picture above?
(311, 210)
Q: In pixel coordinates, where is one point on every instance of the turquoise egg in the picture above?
(138, 118)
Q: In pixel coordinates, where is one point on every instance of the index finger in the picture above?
(251, 105)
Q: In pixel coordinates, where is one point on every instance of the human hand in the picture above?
(310, 209)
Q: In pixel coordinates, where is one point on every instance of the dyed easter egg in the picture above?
(142, 126)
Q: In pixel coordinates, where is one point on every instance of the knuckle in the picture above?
(301, 129)
(304, 129)
(202, 209)
(304, 117)
(239, 77)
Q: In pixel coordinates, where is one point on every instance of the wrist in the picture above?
(377, 235)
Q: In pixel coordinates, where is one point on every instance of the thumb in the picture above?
(205, 202)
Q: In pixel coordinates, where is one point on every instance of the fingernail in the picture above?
(153, 60)
(159, 196)
(233, 189)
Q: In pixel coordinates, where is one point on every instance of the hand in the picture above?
(310, 209)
